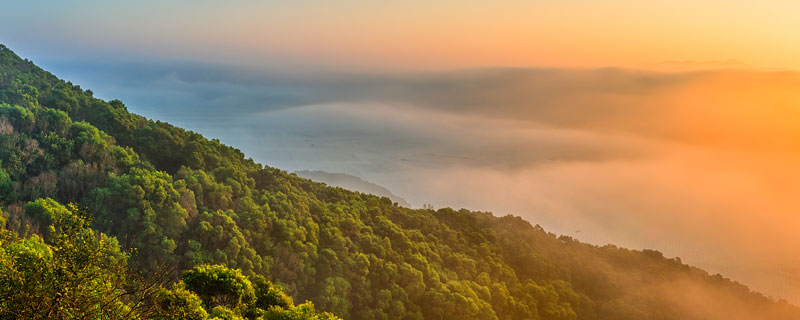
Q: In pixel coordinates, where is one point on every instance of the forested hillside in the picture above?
(86, 185)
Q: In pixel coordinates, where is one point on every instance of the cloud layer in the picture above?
(702, 165)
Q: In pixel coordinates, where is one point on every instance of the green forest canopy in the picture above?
(108, 214)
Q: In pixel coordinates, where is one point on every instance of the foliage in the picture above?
(268, 295)
(73, 272)
(253, 239)
(218, 285)
(178, 303)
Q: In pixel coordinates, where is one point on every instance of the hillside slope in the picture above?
(182, 199)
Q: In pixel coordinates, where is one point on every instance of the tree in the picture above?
(268, 295)
(142, 207)
(178, 303)
(73, 272)
(218, 285)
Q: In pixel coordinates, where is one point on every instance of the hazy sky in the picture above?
(500, 106)
(412, 34)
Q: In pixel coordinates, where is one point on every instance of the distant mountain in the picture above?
(690, 65)
(351, 182)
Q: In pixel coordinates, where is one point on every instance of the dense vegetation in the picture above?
(106, 211)
(74, 272)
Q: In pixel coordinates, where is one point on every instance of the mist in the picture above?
(702, 165)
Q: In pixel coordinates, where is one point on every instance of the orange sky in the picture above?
(424, 34)
(528, 33)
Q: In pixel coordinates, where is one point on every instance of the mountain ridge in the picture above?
(351, 182)
(173, 194)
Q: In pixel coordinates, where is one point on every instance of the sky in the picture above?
(412, 34)
(648, 124)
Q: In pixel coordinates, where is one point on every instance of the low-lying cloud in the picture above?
(702, 165)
